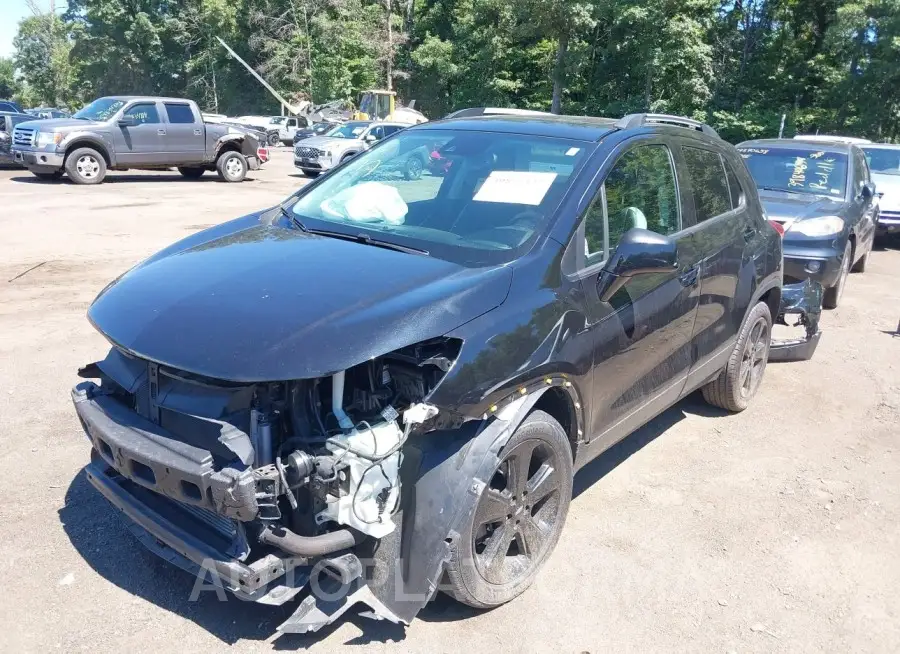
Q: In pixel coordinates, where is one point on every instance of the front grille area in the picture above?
(891, 215)
(24, 136)
(307, 153)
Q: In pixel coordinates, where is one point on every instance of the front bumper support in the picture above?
(805, 299)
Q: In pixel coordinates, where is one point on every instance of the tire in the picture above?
(347, 157)
(85, 166)
(231, 166)
(48, 177)
(506, 517)
(860, 266)
(414, 168)
(739, 381)
(191, 173)
(273, 140)
(832, 297)
(312, 173)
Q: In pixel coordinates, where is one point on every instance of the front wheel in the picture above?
(518, 519)
(832, 297)
(739, 381)
(85, 166)
(273, 140)
(232, 166)
(414, 168)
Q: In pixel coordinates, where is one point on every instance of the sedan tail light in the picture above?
(778, 227)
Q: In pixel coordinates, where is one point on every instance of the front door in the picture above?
(642, 335)
(862, 206)
(139, 143)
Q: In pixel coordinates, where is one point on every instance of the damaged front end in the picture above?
(267, 486)
(801, 306)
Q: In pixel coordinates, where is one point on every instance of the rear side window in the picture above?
(179, 113)
(712, 196)
(860, 170)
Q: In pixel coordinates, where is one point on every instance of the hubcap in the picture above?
(754, 357)
(414, 168)
(234, 167)
(87, 166)
(517, 514)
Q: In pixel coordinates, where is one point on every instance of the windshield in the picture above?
(885, 161)
(276, 120)
(100, 109)
(797, 170)
(322, 128)
(474, 198)
(348, 130)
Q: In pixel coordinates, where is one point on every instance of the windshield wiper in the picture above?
(365, 239)
(780, 190)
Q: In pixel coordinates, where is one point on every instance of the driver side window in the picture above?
(639, 192)
(142, 114)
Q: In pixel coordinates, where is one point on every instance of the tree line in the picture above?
(741, 65)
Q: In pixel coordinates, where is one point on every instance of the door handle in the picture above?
(688, 277)
(749, 233)
(161, 132)
(197, 132)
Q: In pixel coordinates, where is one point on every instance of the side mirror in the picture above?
(126, 121)
(370, 138)
(639, 252)
(868, 190)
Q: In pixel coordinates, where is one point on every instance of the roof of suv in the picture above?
(585, 128)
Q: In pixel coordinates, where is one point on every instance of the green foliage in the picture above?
(828, 65)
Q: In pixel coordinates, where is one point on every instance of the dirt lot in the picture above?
(777, 530)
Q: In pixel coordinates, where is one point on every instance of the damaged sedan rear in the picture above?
(382, 387)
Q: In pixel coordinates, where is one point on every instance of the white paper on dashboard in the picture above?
(515, 187)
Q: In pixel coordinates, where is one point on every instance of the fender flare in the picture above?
(94, 140)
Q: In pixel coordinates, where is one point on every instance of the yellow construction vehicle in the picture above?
(375, 105)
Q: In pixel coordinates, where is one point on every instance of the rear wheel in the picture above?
(85, 166)
(832, 296)
(232, 166)
(192, 173)
(273, 140)
(414, 168)
(860, 266)
(739, 381)
(48, 177)
(518, 519)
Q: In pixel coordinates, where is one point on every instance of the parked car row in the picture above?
(486, 327)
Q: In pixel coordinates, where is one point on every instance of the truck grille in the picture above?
(24, 136)
(307, 153)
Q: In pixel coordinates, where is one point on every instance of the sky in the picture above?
(13, 11)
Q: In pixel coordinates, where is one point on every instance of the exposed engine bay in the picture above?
(302, 468)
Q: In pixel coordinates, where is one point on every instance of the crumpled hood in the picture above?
(247, 301)
(889, 188)
(791, 207)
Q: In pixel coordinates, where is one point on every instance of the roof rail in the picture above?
(632, 121)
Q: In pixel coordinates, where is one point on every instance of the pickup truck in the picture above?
(123, 132)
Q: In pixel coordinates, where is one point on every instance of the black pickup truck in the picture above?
(122, 132)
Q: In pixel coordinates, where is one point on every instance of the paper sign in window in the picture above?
(515, 187)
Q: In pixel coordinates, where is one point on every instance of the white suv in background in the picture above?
(884, 164)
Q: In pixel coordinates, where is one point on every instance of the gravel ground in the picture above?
(776, 530)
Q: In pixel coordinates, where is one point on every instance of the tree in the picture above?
(42, 49)
(8, 84)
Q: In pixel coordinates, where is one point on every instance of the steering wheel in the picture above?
(529, 216)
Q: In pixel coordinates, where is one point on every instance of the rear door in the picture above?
(142, 141)
(185, 140)
(642, 335)
(725, 236)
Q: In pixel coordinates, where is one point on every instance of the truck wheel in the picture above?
(85, 166)
(232, 166)
(832, 296)
(518, 519)
(192, 173)
(738, 382)
(273, 140)
(48, 177)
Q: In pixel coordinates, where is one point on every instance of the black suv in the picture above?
(383, 386)
(822, 194)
